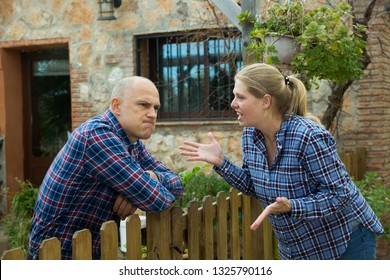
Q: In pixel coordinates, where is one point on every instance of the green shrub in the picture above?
(377, 196)
(17, 222)
(198, 185)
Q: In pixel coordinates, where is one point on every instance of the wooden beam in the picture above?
(247, 5)
(230, 9)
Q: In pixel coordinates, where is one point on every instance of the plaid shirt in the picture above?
(308, 171)
(96, 164)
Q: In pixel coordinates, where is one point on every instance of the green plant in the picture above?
(186, 175)
(377, 196)
(17, 222)
(198, 185)
(329, 46)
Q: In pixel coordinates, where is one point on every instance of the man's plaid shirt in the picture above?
(96, 164)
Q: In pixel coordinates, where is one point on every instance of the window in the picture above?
(194, 72)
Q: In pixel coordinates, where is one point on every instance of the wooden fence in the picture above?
(216, 230)
(355, 162)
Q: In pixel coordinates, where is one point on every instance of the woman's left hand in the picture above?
(281, 204)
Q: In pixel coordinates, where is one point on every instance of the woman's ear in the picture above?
(267, 101)
(115, 106)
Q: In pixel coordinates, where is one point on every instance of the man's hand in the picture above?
(152, 174)
(123, 208)
(281, 204)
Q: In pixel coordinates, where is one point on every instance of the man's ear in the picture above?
(267, 101)
(115, 106)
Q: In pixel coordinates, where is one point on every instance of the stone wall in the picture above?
(167, 138)
(102, 52)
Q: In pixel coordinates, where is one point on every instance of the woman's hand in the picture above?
(281, 205)
(210, 153)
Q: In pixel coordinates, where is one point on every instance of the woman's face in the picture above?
(250, 109)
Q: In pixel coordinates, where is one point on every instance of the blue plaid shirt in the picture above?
(308, 171)
(97, 163)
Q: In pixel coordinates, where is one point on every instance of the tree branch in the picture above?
(338, 90)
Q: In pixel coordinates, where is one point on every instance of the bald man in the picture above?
(104, 172)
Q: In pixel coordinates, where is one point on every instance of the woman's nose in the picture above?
(233, 104)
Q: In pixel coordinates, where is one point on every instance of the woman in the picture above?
(291, 165)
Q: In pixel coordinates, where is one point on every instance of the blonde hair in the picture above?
(288, 92)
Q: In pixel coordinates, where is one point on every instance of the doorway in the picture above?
(47, 108)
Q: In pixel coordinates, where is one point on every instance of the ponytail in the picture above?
(298, 103)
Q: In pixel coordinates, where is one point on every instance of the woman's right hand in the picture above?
(210, 153)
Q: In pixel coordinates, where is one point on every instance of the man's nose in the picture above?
(152, 113)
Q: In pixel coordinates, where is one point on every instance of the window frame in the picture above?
(149, 64)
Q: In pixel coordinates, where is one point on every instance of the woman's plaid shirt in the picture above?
(308, 171)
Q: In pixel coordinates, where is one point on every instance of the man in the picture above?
(105, 171)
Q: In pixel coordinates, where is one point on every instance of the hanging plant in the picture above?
(327, 45)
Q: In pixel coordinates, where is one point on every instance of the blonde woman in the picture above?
(290, 164)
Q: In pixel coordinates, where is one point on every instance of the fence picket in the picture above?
(208, 229)
(355, 162)
(234, 234)
(177, 233)
(257, 236)
(246, 223)
(222, 226)
(165, 238)
(109, 240)
(13, 254)
(267, 241)
(82, 245)
(50, 249)
(133, 238)
(193, 231)
(158, 235)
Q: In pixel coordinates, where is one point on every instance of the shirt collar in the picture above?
(280, 135)
(258, 138)
(110, 117)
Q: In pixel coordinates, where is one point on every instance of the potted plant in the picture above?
(326, 44)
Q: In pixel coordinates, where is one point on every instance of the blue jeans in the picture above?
(361, 246)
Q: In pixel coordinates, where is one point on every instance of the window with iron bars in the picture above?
(194, 72)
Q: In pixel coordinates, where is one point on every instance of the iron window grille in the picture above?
(194, 72)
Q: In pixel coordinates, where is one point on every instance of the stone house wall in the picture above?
(102, 52)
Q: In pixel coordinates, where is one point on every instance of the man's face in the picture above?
(137, 111)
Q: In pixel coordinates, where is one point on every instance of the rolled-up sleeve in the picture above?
(110, 162)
